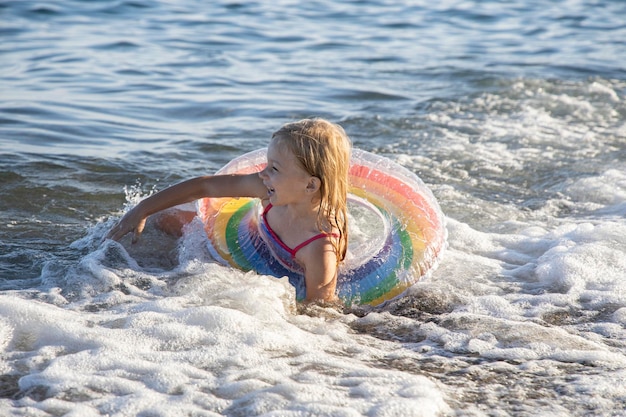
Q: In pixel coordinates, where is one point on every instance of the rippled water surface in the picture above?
(512, 113)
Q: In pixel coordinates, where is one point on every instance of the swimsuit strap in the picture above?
(295, 250)
(306, 242)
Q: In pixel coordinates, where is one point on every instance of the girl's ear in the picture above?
(313, 185)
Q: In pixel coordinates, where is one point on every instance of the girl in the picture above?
(303, 191)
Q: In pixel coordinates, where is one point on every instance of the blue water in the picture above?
(513, 113)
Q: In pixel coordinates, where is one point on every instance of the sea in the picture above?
(513, 113)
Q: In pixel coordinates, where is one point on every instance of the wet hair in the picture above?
(323, 149)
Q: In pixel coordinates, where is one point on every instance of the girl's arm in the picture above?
(320, 263)
(134, 220)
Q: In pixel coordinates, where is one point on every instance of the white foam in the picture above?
(506, 285)
(601, 191)
(588, 262)
(605, 90)
(619, 316)
(213, 340)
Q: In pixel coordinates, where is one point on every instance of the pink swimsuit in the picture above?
(285, 254)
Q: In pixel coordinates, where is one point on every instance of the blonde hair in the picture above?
(323, 149)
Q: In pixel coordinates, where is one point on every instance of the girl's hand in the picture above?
(132, 221)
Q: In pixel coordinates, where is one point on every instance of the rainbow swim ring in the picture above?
(396, 230)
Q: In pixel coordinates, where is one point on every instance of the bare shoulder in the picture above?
(319, 253)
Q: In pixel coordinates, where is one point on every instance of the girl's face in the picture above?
(285, 179)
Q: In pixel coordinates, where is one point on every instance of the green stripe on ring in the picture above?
(232, 236)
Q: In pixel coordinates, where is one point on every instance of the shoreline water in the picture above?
(512, 114)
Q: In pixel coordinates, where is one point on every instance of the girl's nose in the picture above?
(262, 173)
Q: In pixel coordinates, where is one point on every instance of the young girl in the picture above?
(303, 191)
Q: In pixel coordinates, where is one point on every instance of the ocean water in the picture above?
(513, 113)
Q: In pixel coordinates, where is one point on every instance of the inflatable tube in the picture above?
(396, 230)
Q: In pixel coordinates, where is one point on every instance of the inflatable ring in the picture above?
(403, 240)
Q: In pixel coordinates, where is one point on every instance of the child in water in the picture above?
(303, 190)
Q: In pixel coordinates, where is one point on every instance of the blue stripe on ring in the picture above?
(379, 272)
